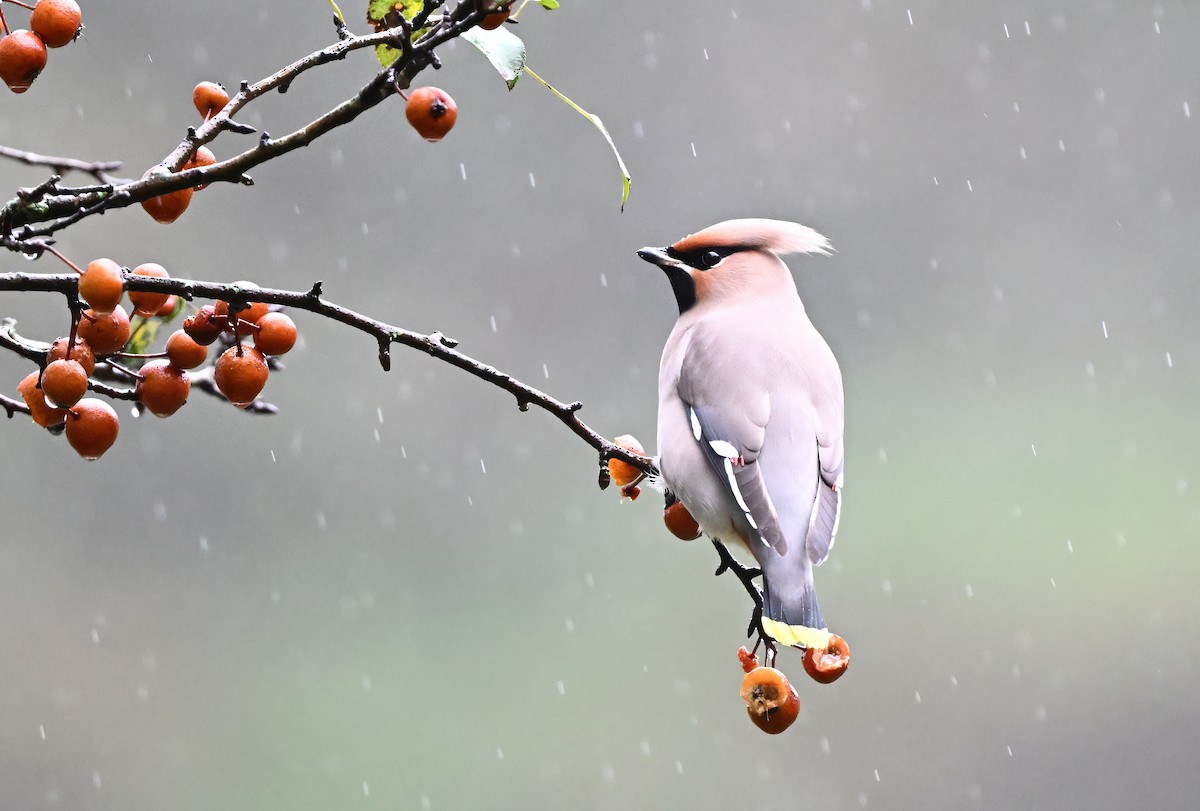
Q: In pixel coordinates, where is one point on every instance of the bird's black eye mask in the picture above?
(704, 258)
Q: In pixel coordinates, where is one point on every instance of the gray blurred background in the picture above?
(401, 592)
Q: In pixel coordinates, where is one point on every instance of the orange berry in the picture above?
(276, 334)
(185, 352)
(22, 57)
(57, 22)
(240, 373)
(101, 285)
(168, 307)
(64, 382)
(205, 326)
(746, 659)
(620, 471)
(210, 98)
(251, 314)
(82, 352)
(771, 701)
(105, 333)
(431, 112)
(42, 412)
(203, 157)
(167, 208)
(163, 387)
(827, 665)
(92, 427)
(680, 522)
(496, 18)
(148, 304)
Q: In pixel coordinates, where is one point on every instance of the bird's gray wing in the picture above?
(731, 441)
(827, 508)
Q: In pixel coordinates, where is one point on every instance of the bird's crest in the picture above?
(777, 236)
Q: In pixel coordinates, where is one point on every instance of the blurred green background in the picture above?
(401, 592)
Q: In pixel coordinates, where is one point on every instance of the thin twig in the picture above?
(97, 169)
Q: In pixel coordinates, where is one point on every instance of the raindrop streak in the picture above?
(366, 789)
(1033, 448)
(1006, 34)
(969, 187)
(935, 182)
(910, 22)
(1170, 363)
(1104, 329)
(693, 149)
(492, 320)
(706, 54)
(532, 181)
(482, 466)
(42, 731)
(546, 371)
(1187, 110)
(562, 688)
(1023, 156)
(1028, 33)
(462, 169)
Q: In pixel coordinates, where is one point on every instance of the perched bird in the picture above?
(750, 412)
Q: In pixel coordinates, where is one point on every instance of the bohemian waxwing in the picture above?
(750, 410)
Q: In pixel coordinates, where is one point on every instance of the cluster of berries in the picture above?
(53, 24)
(56, 397)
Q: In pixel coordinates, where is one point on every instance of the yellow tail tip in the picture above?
(797, 635)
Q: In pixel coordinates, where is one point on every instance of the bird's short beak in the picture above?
(660, 257)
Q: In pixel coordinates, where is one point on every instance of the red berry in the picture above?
(276, 334)
(148, 304)
(42, 412)
(81, 351)
(431, 112)
(101, 285)
(22, 57)
(827, 665)
(168, 307)
(163, 387)
(203, 157)
(57, 22)
(185, 352)
(105, 333)
(64, 382)
(205, 326)
(92, 427)
(771, 701)
(167, 208)
(210, 98)
(496, 18)
(240, 373)
(680, 522)
(250, 314)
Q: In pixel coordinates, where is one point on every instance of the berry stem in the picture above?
(3, 21)
(19, 3)
(59, 254)
(140, 355)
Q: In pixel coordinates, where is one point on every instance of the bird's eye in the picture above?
(710, 259)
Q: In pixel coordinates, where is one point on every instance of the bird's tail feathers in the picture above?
(795, 621)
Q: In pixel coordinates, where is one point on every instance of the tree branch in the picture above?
(434, 344)
(60, 210)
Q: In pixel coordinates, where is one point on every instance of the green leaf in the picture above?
(144, 333)
(378, 9)
(625, 178)
(386, 54)
(504, 50)
(598, 124)
(549, 5)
